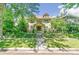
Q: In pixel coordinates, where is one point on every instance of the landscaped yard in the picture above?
(18, 43)
(31, 43)
(70, 43)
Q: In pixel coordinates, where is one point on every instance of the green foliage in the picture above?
(64, 28)
(25, 35)
(14, 43)
(18, 12)
(22, 25)
(59, 43)
(56, 43)
(72, 28)
(70, 5)
(59, 25)
(8, 23)
(23, 9)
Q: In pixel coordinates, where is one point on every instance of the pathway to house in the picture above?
(40, 41)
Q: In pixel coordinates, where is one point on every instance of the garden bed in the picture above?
(18, 43)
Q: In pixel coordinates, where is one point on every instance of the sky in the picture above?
(50, 8)
(54, 9)
(74, 11)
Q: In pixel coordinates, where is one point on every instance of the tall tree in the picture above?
(1, 14)
(68, 6)
(14, 12)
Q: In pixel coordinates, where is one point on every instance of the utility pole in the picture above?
(1, 19)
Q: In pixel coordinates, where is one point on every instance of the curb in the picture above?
(41, 49)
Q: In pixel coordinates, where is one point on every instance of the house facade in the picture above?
(42, 23)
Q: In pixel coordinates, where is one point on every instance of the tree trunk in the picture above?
(1, 14)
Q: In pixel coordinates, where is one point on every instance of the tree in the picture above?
(22, 25)
(8, 22)
(1, 14)
(71, 5)
(17, 13)
(23, 9)
(69, 16)
(59, 25)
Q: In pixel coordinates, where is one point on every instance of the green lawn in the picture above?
(72, 43)
(18, 43)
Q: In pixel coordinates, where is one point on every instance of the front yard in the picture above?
(31, 43)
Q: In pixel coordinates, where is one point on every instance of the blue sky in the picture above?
(50, 8)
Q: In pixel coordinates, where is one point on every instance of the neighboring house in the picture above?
(41, 23)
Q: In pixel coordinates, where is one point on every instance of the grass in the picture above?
(72, 43)
(18, 43)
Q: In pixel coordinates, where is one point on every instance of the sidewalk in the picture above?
(39, 52)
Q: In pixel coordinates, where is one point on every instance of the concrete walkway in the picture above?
(40, 40)
(40, 52)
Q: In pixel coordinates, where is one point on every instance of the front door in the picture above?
(39, 28)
